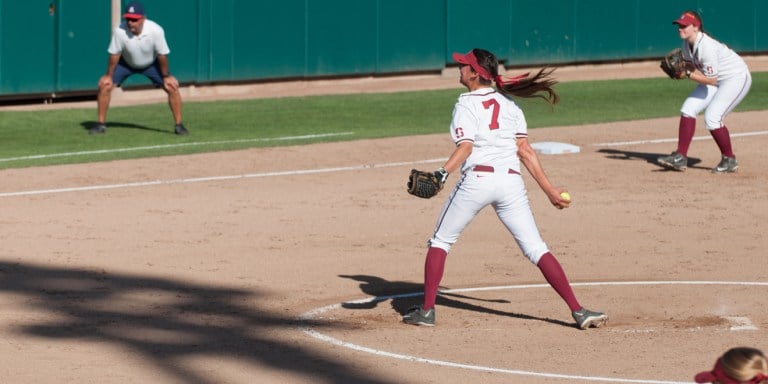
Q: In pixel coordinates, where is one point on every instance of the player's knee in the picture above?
(173, 93)
(689, 112)
(713, 123)
(105, 88)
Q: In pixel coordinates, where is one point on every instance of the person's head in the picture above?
(737, 366)
(134, 17)
(480, 68)
(689, 24)
(477, 65)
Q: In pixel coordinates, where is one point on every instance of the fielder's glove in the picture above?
(674, 66)
(426, 184)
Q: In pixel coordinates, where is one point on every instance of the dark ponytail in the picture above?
(538, 85)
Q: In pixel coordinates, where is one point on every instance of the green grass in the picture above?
(228, 125)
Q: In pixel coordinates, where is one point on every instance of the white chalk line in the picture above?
(674, 140)
(164, 146)
(315, 313)
(254, 175)
(215, 178)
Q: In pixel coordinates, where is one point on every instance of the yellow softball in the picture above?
(566, 196)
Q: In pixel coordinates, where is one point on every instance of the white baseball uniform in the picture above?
(491, 174)
(715, 59)
(139, 51)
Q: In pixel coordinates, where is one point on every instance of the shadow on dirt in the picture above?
(404, 295)
(167, 321)
(650, 158)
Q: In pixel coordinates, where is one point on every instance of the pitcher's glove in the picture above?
(674, 66)
(426, 184)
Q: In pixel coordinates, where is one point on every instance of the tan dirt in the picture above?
(165, 270)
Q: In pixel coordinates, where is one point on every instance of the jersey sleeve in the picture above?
(161, 45)
(709, 60)
(115, 43)
(517, 120)
(463, 124)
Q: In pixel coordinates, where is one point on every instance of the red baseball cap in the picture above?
(717, 374)
(687, 19)
(471, 60)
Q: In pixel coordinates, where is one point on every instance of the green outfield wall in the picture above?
(55, 48)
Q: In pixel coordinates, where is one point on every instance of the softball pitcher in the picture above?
(491, 137)
(724, 81)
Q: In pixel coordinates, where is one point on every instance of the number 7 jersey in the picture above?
(492, 122)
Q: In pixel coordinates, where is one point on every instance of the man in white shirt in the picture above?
(138, 46)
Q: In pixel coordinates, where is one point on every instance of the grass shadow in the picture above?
(117, 124)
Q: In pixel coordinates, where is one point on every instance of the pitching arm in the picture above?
(531, 162)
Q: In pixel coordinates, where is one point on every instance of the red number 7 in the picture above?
(495, 117)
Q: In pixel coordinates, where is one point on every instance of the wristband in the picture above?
(441, 174)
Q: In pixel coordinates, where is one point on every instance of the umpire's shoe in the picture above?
(586, 318)
(418, 316)
(97, 129)
(180, 130)
(674, 161)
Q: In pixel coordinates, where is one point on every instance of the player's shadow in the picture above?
(404, 295)
(165, 322)
(651, 158)
(121, 125)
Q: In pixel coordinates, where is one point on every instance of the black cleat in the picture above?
(180, 130)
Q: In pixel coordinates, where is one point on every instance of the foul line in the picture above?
(254, 175)
(622, 143)
(313, 314)
(101, 151)
(215, 178)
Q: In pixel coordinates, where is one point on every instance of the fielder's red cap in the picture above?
(718, 375)
(687, 19)
(134, 10)
(471, 60)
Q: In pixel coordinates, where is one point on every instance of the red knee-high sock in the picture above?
(555, 276)
(723, 139)
(433, 273)
(685, 134)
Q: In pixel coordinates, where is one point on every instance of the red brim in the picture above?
(716, 374)
(682, 23)
(686, 21)
(471, 60)
(132, 16)
(461, 59)
(705, 377)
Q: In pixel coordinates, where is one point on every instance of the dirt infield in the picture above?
(197, 269)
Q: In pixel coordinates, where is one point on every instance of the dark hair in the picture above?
(538, 85)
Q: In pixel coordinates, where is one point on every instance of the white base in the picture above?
(554, 148)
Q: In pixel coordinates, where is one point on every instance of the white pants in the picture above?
(717, 100)
(506, 193)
